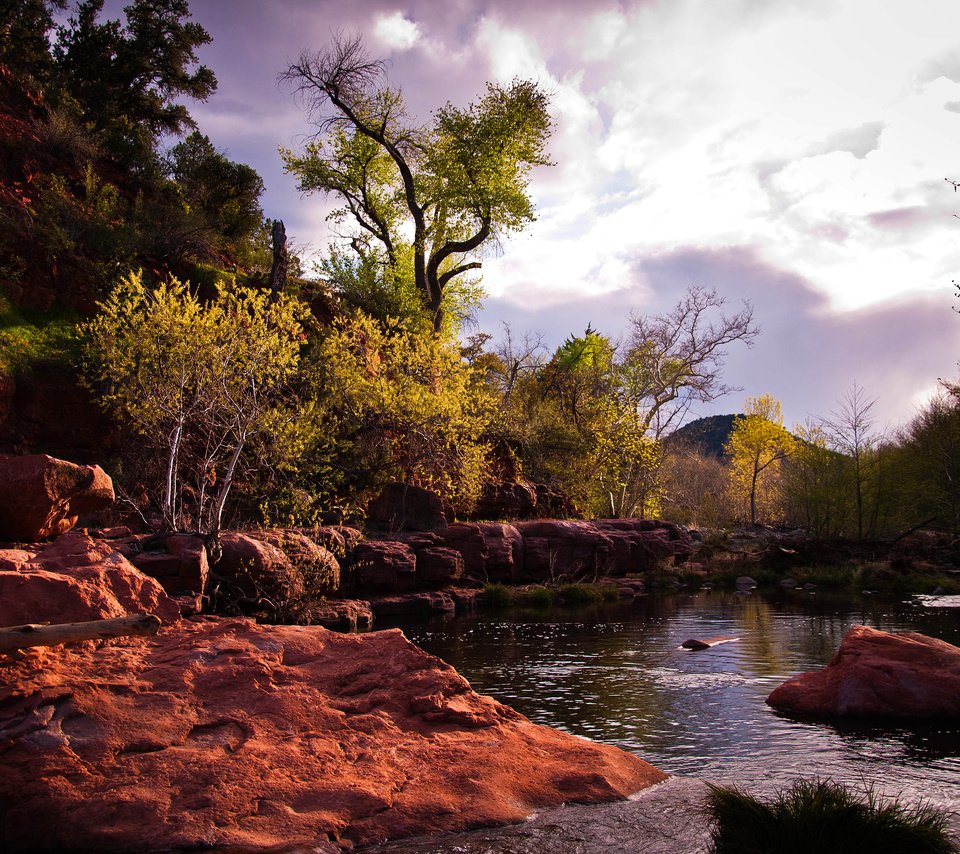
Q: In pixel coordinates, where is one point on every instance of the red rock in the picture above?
(317, 568)
(492, 551)
(255, 567)
(401, 507)
(223, 733)
(339, 540)
(874, 673)
(77, 578)
(177, 561)
(555, 550)
(14, 559)
(383, 566)
(414, 604)
(438, 566)
(348, 615)
(552, 503)
(509, 500)
(41, 497)
(643, 544)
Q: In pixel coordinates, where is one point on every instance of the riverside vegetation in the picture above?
(147, 265)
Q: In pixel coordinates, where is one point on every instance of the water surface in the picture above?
(615, 674)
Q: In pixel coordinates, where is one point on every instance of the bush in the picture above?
(825, 817)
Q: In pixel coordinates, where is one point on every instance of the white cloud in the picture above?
(397, 31)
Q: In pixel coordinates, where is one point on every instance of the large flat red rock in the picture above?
(879, 674)
(225, 733)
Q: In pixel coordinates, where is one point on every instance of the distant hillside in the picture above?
(708, 434)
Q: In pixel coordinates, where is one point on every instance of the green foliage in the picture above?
(757, 447)
(825, 817)
(125, 79)
(198, 383)
(419, 201)
(406, 405)
(28, 337)
(86, 190)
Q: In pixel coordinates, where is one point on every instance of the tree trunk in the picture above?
(278, 273)
(21, 637)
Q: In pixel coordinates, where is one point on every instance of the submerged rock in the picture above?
(226, 733)
(874, 673)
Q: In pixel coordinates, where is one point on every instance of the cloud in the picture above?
(396, 31)
(789, 152)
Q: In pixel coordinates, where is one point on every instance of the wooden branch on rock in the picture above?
(20, 637)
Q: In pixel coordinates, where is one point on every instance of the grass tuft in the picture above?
(824, 817)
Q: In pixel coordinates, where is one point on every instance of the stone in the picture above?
(492, 551)
(383, 566)
(401, 507)
(255, 567)
(506, 500)
(178, 561)
(221, 733)
(879, 674)
(14, 559)
(348, 615)
(553, 503)
(414, 604)
(41, 497)
(555, 550)
(76, 579)
(745, 582)
(639, 545)
(438, 566)
(317, 568)
(339, 540)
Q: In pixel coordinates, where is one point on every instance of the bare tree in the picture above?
(850, 431)
(675, 359)
(518, 356)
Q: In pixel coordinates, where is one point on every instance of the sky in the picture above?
(792, 153)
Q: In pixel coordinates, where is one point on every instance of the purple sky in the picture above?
(789, 152)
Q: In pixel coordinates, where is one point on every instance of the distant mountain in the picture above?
(708, 434)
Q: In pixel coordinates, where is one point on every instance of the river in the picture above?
(616, 674)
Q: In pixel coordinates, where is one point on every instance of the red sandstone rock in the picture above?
(348, 615)
(41, 497)
(383, 566)
(509, 500)
(554, 550)
(874, 673)
(77, 578)
(641, 544)
(177, 561)
(256, 567)
(339, 540)
(414, 604)
(492, 551)
(438, 566)
(401, 507)
(225, 733)
(318, 569)
(14, 559)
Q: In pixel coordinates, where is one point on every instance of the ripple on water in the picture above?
(616, 676)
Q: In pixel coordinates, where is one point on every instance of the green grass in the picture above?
(28, 336)
(824, 817)
(545, 596)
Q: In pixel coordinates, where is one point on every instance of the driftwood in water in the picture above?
(20, 637)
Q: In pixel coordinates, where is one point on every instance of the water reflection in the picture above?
(616, 675)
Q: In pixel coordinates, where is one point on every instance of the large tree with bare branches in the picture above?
(420, 201)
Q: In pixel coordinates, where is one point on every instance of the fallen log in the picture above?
(36, 634)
